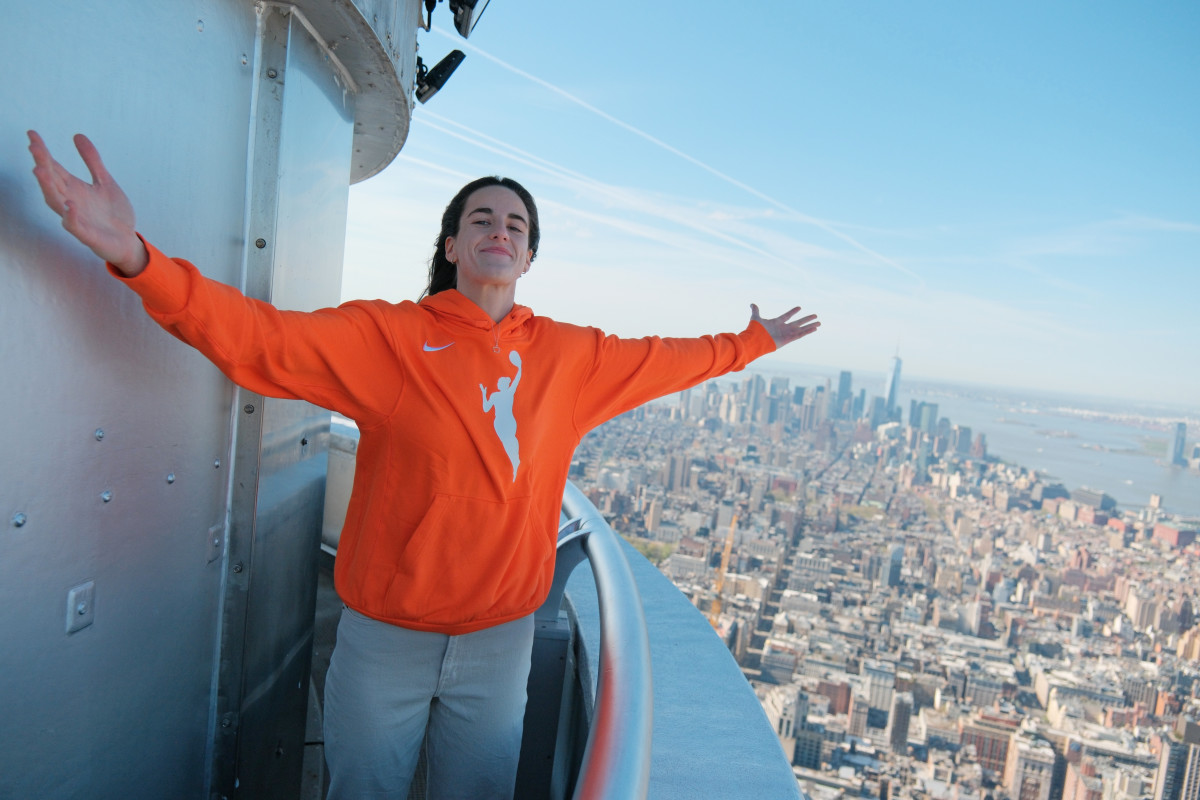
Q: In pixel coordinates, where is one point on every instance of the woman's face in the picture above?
(492, 244)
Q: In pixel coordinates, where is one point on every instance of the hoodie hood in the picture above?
(452, 307)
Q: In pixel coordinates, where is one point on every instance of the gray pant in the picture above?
(389, 689)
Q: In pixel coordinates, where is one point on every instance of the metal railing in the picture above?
(616, 760)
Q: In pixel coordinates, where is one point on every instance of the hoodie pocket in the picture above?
(471, 559)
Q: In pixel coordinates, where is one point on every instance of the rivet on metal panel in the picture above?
(19, 520)
(200, 26)
(271, 73)
(106, 495)
(99, 434)
(170, 477)
(260, 243)
(216, 463)
(245, 60)
(238, 567)
(248, 408)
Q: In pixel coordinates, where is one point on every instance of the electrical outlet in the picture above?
(81, 606)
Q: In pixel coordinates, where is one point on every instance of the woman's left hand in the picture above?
(784, 329)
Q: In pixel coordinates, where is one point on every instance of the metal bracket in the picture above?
(571, 538)
(216, 542)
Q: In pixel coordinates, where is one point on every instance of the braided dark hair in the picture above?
(443, 274)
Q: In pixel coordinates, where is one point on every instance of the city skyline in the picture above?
(912, 616)
(1084, 444)
(989, 190)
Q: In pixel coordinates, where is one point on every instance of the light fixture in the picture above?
(466, 14)
(430, 80)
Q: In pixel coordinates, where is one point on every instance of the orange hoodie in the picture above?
(467, 428)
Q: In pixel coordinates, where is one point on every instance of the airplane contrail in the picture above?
(501, 148)
(616, 223)
(845, 237)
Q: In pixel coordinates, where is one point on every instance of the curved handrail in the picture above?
(616, 760)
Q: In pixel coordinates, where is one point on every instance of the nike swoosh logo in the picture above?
(429, 349)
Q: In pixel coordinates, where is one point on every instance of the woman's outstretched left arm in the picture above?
(624, 373)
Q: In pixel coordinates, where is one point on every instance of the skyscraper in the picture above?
(960, 439)
(1177, 444)
(891, 389)
(685, 403)
(755, 387)
(979, 447)
(881, 683)
(877, 414)
(895, 564)
(654, 515)
(898, 722)
(923, 416)
(843, 395)
(858, 716)
(1179, 766)
(1029, 768)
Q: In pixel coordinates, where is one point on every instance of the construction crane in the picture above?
(714, 615)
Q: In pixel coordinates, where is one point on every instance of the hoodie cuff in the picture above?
(164, 284)
(757, 340)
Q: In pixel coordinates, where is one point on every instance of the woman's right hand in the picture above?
(98, 214)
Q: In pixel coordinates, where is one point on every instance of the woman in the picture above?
(449, 540)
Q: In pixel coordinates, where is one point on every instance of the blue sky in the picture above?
(1008, 193)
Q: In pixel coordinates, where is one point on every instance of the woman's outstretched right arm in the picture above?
(336, 358)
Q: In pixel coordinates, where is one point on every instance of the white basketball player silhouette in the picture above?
(502, 401)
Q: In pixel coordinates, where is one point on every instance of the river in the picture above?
(1102, 444)
(1076, 442)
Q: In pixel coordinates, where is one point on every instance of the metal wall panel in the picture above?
(134, 486)
(98, 403)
